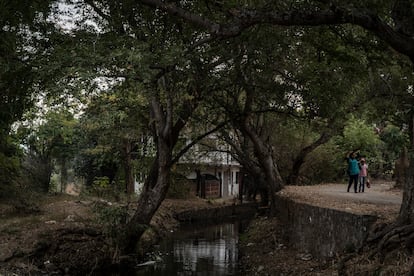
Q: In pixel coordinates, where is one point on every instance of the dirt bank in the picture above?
(63, 235)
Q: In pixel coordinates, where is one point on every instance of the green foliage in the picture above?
(112, 218)
(324, 165)
(100, 185)
(16, 73)
(180, 187)
(378, 149)
(104, 188)
(358, 135)
(50, 142)
(109, 131)
(9, 156)
(394, 139)
(316, 73)
(10, 165)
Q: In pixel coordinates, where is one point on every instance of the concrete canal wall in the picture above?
(321, 231)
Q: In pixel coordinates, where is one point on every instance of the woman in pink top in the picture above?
(363, 174)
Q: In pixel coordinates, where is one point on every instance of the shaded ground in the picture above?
(63, 235)
(265, 253)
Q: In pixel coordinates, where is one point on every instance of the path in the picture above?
(379, 193)
(381, 199)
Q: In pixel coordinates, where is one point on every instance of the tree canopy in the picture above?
(129, 81)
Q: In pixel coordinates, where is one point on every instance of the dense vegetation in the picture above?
(106, 91)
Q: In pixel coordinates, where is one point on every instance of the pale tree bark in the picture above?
(165, 133)
(254, 181)
(264, 155)
(157, 183)
(263, 152)
(63, 175)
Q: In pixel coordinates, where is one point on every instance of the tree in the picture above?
(150, 58)
(176, 52)
(111, 129)
(302, 81)
(47, 142)
(17, 21)
(393, 24)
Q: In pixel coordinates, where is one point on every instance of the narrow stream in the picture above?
(197, 250)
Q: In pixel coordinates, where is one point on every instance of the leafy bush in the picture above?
(112, 218)
(100, 186)
(180, 187)
(325, 164)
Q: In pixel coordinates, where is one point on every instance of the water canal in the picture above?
(197, 250)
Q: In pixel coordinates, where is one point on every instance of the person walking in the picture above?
(353, 171)
(363, 174)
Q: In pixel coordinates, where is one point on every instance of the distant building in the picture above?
(215, 172)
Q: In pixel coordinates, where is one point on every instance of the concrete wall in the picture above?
(320, 231)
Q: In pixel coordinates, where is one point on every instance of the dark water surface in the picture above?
(197, 250)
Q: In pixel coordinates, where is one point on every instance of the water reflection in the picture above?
(208, 250)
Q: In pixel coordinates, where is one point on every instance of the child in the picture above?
(363, 174)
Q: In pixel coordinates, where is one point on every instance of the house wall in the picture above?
(224, 183)
(138, 184)
(230, 181)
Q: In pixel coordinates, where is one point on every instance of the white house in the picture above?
(208, 162)
(218, 163)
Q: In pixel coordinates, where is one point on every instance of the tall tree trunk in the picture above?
(273, 179)
(156, 185)
(406, 214)
(39, 169)
(263, 153)
(128, 168)
(300, 158)
(154, 192)
(63, 175)
(401, 169)
(407, 206)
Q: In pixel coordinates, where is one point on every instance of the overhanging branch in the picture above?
(331, 15)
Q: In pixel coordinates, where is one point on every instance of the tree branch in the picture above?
(196, 140)
(97, 10)
(332, 15)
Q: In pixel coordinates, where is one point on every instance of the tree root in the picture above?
(342, 264)
(391, 237)
(62, 245)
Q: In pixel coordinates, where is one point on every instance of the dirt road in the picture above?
(379, 193)
(381, 199)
